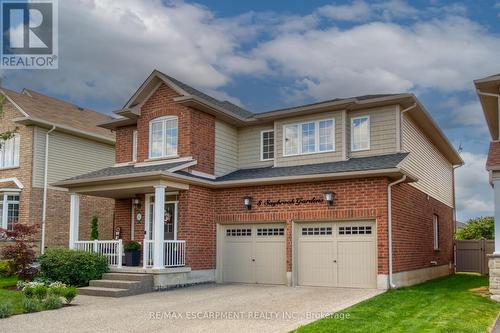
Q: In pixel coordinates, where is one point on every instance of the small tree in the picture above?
(94, 228)
(21, 254)
(477, 228)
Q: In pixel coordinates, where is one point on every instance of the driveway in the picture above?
(202, 308)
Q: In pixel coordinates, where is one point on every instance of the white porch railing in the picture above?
(111, 249)
(175, 253)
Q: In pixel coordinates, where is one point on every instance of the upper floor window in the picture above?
(9, 152)
(9, 210)
(163, 137)
(309, 137)
(360, 133)
(267, 145)
(134, 145)
(435, 226)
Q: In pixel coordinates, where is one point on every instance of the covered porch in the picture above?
(153, 221)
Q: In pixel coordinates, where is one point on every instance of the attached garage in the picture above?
(253, 253)
(336, 254)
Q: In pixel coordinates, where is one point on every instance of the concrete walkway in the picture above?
(203, 308)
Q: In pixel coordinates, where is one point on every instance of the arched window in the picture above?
(163, 137)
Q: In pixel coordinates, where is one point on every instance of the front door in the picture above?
(170, 219)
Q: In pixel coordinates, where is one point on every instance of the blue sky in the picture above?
(271, 54)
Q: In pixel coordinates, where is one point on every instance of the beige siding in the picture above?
(69, 156)
(226, 148)
(309, 158)
(434, 171)
(382, 131)
(249, 147)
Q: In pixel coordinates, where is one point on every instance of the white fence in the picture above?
(111, 249)
(175, 253)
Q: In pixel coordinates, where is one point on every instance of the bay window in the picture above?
(163, 137)
(9, 152)
(9, 210)
(360, 133)
(309, 137)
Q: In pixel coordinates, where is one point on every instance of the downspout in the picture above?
(389, 225)
(45, 179)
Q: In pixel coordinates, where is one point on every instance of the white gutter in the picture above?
(389, 225)
(45, 176)
(479, 92)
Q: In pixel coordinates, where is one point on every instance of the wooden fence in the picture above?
(471, 255)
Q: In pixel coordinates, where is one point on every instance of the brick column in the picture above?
(494, 267)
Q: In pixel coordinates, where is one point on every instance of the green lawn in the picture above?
(442, 305)
(11, 296)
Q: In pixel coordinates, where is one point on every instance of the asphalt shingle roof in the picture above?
(126, 170)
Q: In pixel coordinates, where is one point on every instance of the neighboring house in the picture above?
(488, 91)
(54, 140)
(311, 195)
(460, 225)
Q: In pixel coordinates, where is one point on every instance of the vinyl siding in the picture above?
(314, 157)
(249, 147)
(69, 156)
(382, 131)
(226, 148)
(434, 171)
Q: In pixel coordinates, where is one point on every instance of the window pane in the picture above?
(12, 215)
(267, 145)
(360, 133)
(326, 135)
(308, 137)
(156, 139)
(292, 139)
(171, 137)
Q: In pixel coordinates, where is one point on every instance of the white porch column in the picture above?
(74, 217)
(496, 188)
(159, 216)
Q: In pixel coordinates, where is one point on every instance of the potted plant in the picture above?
(132, 251)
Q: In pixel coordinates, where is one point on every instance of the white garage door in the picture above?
(337, 254)
(253, 253)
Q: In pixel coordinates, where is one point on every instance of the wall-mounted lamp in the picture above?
(247, 201)
(136, 202)
(328, 198)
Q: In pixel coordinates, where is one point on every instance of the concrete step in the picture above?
(120, 284)
(128, 277)
(104, 292)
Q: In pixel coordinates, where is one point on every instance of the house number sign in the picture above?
(290, 202)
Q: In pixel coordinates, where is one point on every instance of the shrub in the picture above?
(6, 310)
(4, 268)
(74, 268)
(477, 228)
(40, 291)
(69, 294)
(52, 302)
(31, 304)
(131, 246)
(28, 273)
(20, 254)
(94, 228)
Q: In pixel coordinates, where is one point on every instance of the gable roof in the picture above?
(49, 111)
(488, 90)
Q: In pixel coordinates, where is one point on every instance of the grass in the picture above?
(453, 304)
(9, 295)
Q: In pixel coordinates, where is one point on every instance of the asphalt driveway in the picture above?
(202, 308)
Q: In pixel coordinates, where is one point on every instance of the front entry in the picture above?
(253, 253)
(170, 220)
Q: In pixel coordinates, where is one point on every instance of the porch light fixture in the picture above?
(328, 198)
(136, 202)
(247, 201)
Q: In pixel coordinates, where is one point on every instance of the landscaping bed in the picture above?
(458, 303)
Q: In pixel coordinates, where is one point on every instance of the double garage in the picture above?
(327, 254)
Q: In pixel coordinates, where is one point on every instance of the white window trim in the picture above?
(369, 133)
(435, 228)
(16, 163)
(5, 212)
(134, 145)
(262, 145)
(163, 120)
(316, 138)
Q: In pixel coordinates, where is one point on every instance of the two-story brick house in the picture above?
(352, 192)
(54, 140)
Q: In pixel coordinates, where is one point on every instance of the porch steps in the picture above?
(119, 285)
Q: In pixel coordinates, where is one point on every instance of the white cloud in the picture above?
(474, 196)
(468, 113)
(356, 11)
